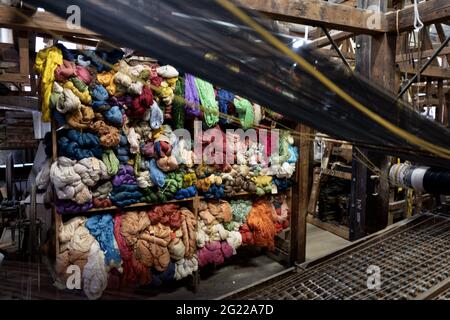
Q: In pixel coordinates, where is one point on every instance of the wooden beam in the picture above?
(14, 77)
(320, 13)
(442, 38)
(336, 36)
(424, 54)
(19, 103)
(424, 102)
(333, 53)
(432, 11)
(38, 21)
(431, 71)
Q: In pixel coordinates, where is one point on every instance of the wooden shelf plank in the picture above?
(337, 173)
(146, 204)
(339, 230)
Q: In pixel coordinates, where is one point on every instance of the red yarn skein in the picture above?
(140, 104)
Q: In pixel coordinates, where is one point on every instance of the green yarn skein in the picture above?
(208, 100)
(79, 84)
(240, 209)
(245, 112)
(178, 105)
(110, 160)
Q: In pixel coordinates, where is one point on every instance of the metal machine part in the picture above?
(408, 261)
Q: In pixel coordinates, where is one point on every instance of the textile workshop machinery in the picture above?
(18, 233)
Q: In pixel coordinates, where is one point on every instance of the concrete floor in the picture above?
(320, 242)
(247, 267)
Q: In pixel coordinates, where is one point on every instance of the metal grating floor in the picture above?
(412, 259)
(445, 296)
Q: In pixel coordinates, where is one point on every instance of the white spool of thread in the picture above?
(417, 178)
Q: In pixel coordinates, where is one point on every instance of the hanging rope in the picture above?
(418, 24)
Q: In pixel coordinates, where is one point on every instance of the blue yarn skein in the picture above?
(158, 278)
(215, 192)
(48, 144)
(224, 98)
(185, 193)
(99, 56)
(156, 175)
(99, 93)
(77, 145)
(99, 98)
(114, 116)
(102, 228)
(82, 61)
(294, 154)
(282, 184)
(100, 105)
(122, 149)
(156, 117)
(125, 194)
(60, 118)
(66, 53)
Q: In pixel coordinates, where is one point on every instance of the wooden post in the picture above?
(357, 227)
(57, 217)
(314, 195)
(375, 59)
(447, 110)
(440, 106)
(300, 194)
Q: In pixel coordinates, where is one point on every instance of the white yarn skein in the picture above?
(201, 236)
(219, 232)
(67, 230)
(91, 171)
(167, 72)
(122, 79)
(185, 267)
(82, 239)
(95, 278)
(143, 180)
(67, 182)
(136, 70)
(43, 176)
(234, 239)
(75, 236)
(136, 88)
(71, 102)
(133, 140)
(156, 116)
(182, 154)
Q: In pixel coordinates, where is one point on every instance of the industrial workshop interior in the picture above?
(225, 150)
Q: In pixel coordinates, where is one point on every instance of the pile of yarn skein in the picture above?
(117, 146)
